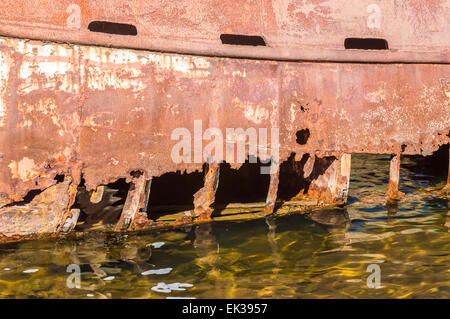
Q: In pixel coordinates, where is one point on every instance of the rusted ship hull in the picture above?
(71, 111)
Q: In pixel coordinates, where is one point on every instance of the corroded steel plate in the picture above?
(105, 112)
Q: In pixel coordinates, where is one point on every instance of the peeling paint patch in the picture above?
(54, 62)
(195, 66)
(5, 64)
(25, 169)
(255, 113)
(127, 79)
(376, 96)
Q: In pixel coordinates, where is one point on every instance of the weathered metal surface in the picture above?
(134, 203)
(48, 213)
(416, 30)
(204, 198)
(97, 194)
(394, 178)
(448, 176)
(104, 113)
(272, 193)
(331, 178)
(447, 187)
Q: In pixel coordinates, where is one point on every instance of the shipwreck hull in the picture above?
(73, 112)
(102, 114)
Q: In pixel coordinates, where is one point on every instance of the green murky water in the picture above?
(323, 256)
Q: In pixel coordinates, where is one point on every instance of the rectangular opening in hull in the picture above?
(112, 28)
(366, 44)
(239, 39)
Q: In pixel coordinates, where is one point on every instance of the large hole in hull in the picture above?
(172, 192)
(107, 211)
(245, 185)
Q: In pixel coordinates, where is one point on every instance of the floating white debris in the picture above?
(109, 278)
(158, 244)
(90, 295)
(180, 286)
(30, 271)
(167, 288)
(6, 269)
(163, 271)
(162, 287)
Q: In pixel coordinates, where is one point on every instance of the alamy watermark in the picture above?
(190, 148)
(74, 279)
(73, 20)
(374, 279)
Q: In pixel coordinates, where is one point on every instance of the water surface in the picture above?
(322, 255)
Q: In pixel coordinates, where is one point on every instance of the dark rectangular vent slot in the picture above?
(366, 44)
(239, 39)
(112, 28)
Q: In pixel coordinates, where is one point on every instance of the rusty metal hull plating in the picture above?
(102, 114)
